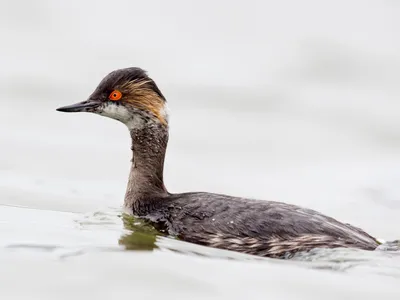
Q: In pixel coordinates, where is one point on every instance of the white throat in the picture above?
(131, 119)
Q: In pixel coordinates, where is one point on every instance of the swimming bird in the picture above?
(256, 227)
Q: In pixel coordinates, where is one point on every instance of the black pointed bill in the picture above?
(88, 105)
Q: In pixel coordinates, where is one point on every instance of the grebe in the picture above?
(263, 228)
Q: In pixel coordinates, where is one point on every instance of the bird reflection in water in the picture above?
(141, 236)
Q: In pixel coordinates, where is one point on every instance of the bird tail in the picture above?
(388, 246)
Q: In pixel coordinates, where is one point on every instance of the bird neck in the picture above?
(146, 180)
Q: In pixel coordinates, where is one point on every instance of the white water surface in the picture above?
(296, 101)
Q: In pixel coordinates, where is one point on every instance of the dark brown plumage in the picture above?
(264, 228)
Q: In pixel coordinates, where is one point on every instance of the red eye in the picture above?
(115, 95)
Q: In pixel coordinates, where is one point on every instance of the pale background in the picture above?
(296, 101)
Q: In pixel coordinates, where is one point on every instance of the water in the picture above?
(297, 102)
